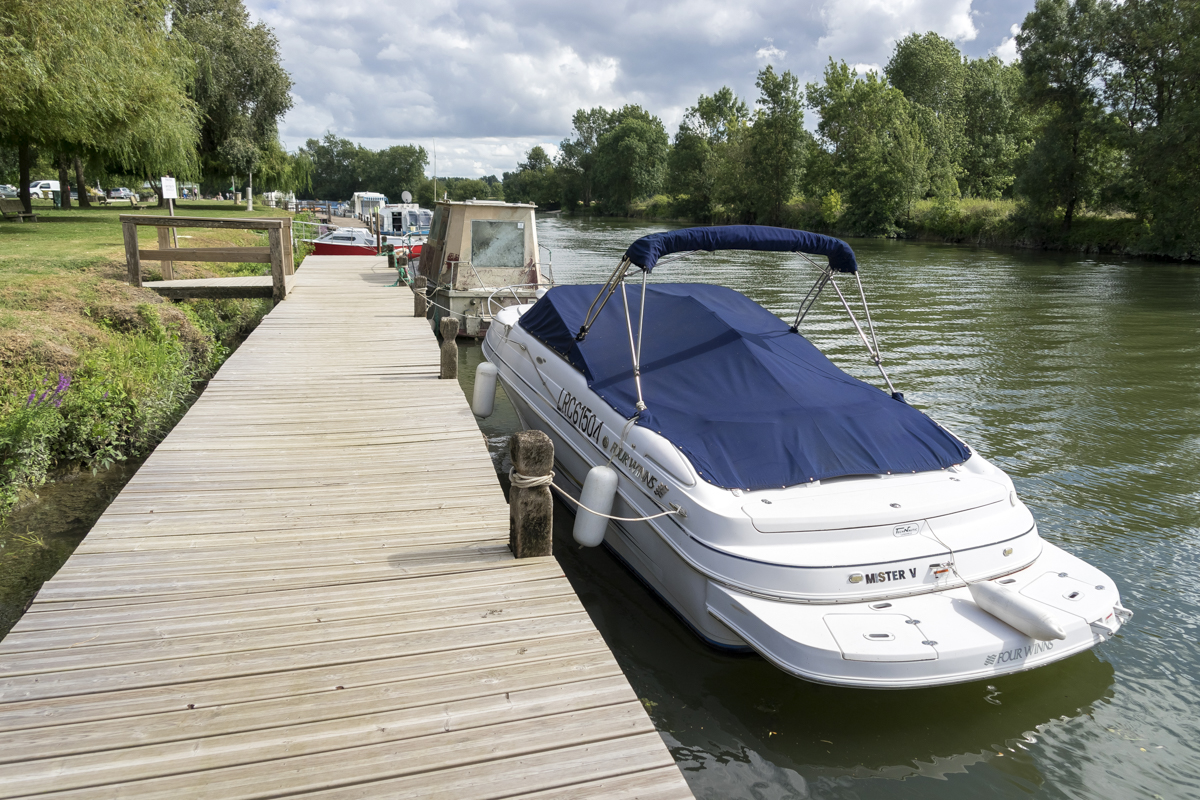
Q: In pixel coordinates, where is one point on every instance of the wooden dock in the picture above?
(307, 591)
(214, 288)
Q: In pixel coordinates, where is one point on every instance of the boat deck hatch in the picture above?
(880, 637)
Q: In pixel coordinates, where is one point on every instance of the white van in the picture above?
(42, 189)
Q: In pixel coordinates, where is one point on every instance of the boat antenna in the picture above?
(435, 171)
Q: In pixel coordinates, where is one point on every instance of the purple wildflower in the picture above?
(32, 395)
(42, 397)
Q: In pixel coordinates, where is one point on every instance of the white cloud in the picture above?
(866, 31)
(1007, 50)
(491, 78)
(769, 52)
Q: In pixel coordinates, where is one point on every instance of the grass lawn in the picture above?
(78, 239)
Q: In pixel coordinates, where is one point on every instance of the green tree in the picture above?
(630, 158)
(997, 127)
(1155, 50)
(697, 168)
(871, 149)
(535, 180)
(777, 144)
(929, 70)
(337, 171)
(396, 169)
(577, 155)
(1060, 47)
(239, 85)
(94, 76)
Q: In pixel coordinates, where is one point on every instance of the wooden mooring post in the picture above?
(448, 328)
(531, 508)
(418, 286)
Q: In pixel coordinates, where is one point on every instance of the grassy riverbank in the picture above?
(94, 371)
(999, 223)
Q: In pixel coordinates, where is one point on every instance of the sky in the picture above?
(483, 81)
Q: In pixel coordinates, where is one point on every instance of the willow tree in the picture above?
(238, 83)
(94, 76)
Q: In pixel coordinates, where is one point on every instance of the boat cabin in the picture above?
(367, 203)
(399, 219)
(481, 253)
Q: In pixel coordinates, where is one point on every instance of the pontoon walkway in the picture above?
(307, 590)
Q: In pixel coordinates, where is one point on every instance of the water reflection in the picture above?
(1079, 377)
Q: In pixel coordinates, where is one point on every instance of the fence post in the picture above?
(278, 281)
(132, 260)
(289, 263)
(449, 330)
(164, 243)
(531, 510)
(419, 284)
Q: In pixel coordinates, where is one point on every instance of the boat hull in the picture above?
(328, 249)
(892, 640)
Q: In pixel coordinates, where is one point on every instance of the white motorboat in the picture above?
(775, 502)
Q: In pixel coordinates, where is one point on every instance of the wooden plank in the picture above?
(289, 264)
(279, 289)
(297, 687)
(234, 255)
(133, 263)
(164, 243)
(235, 223)
(566, 736)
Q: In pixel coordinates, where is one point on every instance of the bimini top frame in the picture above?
(657, 248)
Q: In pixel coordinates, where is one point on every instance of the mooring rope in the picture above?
(529, 482)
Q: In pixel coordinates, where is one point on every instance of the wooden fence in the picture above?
(278, 253)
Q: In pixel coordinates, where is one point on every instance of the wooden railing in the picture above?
(278, 253)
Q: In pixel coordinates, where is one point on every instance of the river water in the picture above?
(1078, 376)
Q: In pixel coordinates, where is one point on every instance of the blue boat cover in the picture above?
(751, 404)
(646, 251)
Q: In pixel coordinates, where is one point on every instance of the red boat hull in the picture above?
(330, 249)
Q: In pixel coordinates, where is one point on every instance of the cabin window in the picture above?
(437, 230)
(497, 243)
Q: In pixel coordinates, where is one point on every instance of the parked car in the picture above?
(42, 190)
(8, 190)
(120, 194)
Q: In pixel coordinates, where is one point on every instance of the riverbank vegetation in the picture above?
(1085, 142)
(95, 371)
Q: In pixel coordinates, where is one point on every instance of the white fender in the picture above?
(1026, 615)
(483, 401)
(599, 491)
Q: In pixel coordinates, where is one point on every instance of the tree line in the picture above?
(340, 168)
(120, 91)
(1100, 113)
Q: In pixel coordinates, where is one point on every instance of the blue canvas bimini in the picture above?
(750, 403)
